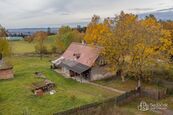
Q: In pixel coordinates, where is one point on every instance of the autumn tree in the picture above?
(5, 49)
(40, 48)
(95, 30)
(113, 36)
(66, 36)
(29, 38)
(168, 25)
(150, 44)
(130, 45)
(119, 44)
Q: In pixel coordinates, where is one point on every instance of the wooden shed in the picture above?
(42, 86)
(6, 71)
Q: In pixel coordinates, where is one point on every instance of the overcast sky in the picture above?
(53, 13)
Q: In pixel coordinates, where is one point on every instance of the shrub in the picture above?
(73, 97)
(54, 49)
(41, 50)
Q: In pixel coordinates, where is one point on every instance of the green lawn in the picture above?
(16, 96)
(20, 47)
(125, 86)
(118, 84)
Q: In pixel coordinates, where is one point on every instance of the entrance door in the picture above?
(73, 74)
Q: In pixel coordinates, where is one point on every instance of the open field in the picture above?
(16, 97)
(20, 47)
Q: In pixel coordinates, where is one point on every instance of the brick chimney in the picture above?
(84, 42)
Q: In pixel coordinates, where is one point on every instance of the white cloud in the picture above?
(36, 13)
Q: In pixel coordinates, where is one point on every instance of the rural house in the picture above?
(6, 71)
(82, 60)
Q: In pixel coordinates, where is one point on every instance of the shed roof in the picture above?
(74, 66)
(42, 83)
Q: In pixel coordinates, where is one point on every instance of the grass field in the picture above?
(20, 47)
(16, 96)
(126, 86)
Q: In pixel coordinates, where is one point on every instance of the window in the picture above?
(77, 55)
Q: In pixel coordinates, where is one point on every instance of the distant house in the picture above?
(6, 71)
(81, 60)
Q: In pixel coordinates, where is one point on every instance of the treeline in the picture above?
(64, 37)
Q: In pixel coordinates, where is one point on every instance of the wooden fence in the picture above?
(154, 93)
(122, 99)
(168, 85)
(128, 96)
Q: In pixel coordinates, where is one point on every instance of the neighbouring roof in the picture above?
(87, 54)
(74, 66)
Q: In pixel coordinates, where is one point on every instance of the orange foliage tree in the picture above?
(130, 45)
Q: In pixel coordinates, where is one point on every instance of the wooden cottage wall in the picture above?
(6, 74)
(100, 72)
(66, 71)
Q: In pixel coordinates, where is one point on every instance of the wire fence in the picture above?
(122, 99)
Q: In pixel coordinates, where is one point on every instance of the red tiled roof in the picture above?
(88, 54)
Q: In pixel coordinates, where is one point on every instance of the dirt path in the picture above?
(108, 88)
(91, 83)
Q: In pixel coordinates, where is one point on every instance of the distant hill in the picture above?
(31, 30)
(164, 14)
